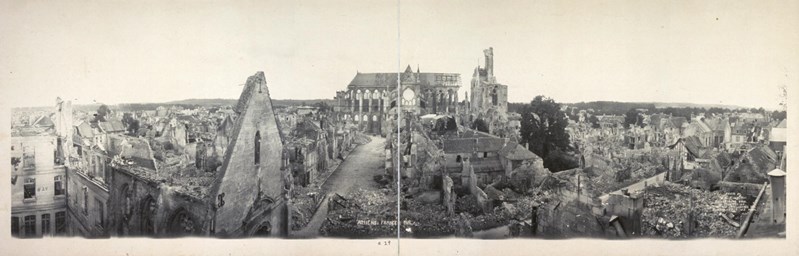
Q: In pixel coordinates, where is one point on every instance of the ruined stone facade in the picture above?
(489, 100)
(141, 206)
(250, 192)
(487, 94)
(370, 96)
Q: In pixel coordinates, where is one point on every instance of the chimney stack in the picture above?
(777, 180)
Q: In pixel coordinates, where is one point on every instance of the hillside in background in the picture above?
(619, 108)
(202, 102)
(231, 102)
(600, 107)
(189, 103)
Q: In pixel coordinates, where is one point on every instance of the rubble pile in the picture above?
(194, 186)
(304, 201)
(361, 139)
(467, 204)
(524, 207)
(646, 172)
(510, 194)
(432, 220)
(606, 183)
(567, 219)
(372, 201)
(488, 221)
(667, 209)
(550, 183)
(364, 214)
(187, 180)
(427, 220)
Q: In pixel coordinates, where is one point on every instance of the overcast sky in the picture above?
(728, 52)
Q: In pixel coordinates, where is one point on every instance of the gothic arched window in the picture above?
(257, 154)
(494, 97)
(148, 210)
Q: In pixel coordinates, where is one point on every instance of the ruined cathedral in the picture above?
(487, 94)
(370, 97)
(489, 99)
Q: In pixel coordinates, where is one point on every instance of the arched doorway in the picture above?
(257, 149)
(494, 100)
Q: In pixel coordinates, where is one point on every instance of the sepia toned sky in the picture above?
(714, 52)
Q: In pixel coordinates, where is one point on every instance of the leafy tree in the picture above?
(559, 160)
(779, 115)
(633, 117)
(451, 124)
(594, 121)
(101, 114)
(480, 125)
(127, 118)
(133, 127)
(323, 106)
(131, 124)
(15, 161)
(544, 127)
(103, 111)
(572, 114)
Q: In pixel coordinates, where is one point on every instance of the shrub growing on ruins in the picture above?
(559, 160)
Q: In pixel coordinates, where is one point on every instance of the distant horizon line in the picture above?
(692, 105)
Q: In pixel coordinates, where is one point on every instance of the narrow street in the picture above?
(357, 171)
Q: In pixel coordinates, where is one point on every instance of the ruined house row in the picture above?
(184, 176)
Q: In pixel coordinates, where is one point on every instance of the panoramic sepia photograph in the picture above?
(397, 120)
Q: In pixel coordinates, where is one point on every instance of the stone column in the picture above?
(442, 102)
(449, 101)
(456, 103)
(446, 102)
(381, 102)
(363, 96)
(352, 100)
(434, 103)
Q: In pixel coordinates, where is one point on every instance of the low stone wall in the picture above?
(654, 181)
(749, 190)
